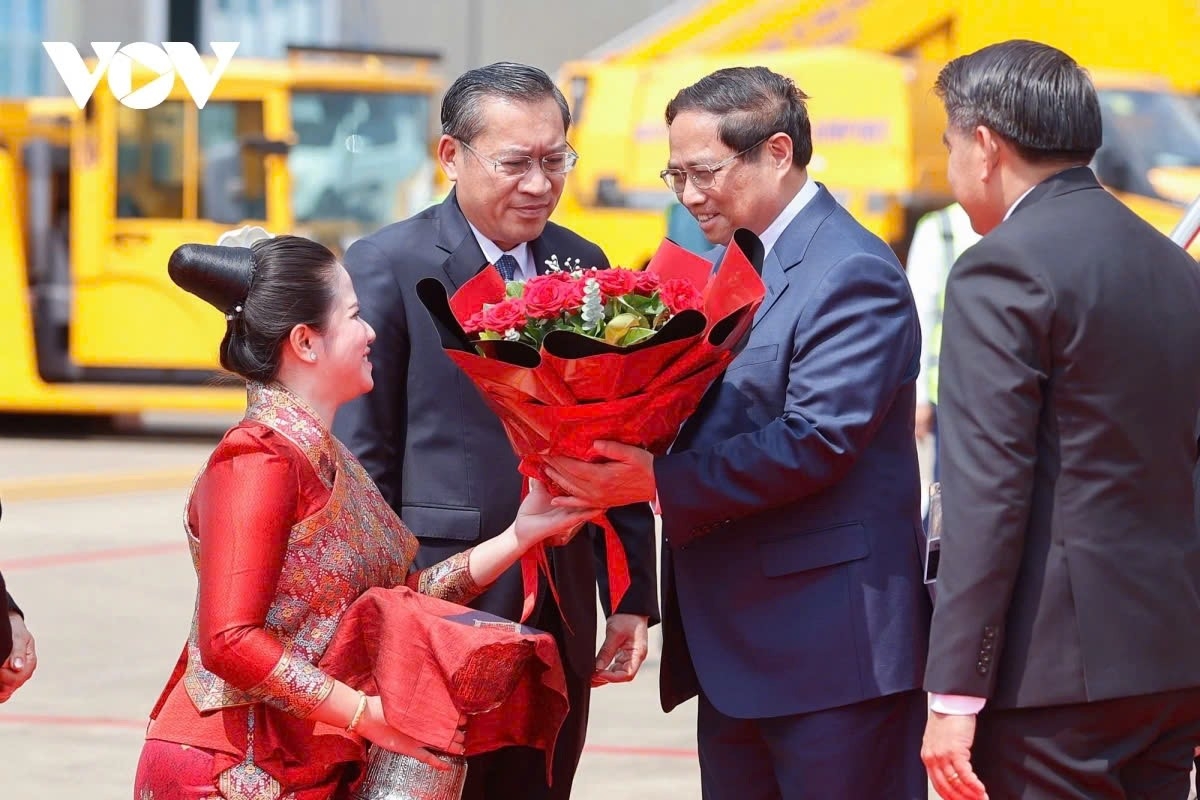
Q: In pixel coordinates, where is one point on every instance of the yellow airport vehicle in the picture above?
(1144, 71)
(883, 159)
(328, 143)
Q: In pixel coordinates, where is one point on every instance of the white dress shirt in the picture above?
(771, 235)
(522, 253)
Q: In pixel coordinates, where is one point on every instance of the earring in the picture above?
(312, 356)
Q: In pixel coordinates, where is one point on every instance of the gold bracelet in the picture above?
(358, 713)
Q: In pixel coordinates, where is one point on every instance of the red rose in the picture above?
(474, 323)
(504, 316)
(646, 282)
(679, 295)
(575, 294)
(616, 281)
(546, 297)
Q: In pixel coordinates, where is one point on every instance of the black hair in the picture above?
(265, 290)
(1031, 94)
(462, 106)
(753, 103)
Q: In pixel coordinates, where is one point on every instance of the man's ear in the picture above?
(447, 151)
(780, 149)
(990, 146)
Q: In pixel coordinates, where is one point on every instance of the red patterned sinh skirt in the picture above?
(169, 771)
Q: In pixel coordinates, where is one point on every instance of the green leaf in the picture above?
(514, 289)
(621, 325)
(636, 303)
(636, 335)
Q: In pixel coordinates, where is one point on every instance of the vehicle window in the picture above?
(150, 161)
(233, 178)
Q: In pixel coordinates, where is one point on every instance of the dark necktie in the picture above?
(507, 266)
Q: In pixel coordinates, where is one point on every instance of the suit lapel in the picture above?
(776, 282)
(540, 251)
(465, 259)
(790, 249)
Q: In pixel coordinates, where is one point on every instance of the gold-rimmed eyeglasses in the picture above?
(702, 176)
(517, 166)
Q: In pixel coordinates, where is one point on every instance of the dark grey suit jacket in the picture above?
(438, 453)
(1068, 405)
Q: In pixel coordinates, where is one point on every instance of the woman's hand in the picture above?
(374, 728)
(538, 520)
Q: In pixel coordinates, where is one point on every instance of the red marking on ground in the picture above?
(140, 725)
(91, 556)
(71, 722)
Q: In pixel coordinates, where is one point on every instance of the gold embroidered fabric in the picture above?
(353, 543)
(449, 580)
(247, 781)
(295, 686)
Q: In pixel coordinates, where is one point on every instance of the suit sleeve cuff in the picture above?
(959, 705)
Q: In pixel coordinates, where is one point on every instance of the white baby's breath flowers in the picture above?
(553, 265)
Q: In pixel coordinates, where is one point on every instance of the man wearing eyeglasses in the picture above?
(438, 454)
(793, 601)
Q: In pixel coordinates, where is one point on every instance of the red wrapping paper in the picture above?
(569, 393)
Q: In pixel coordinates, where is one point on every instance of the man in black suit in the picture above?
(439, 455)
(18, 657)
(1063, 657)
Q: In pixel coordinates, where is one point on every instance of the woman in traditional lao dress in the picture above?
(286, 531)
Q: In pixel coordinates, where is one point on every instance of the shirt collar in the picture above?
(492, 252)
(771, 235)
(1013, 207)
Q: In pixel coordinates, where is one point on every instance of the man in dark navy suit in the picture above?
(793, 601)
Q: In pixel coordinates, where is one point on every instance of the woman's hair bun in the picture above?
(219, 275)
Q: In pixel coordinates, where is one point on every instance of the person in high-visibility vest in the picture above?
(938, 240)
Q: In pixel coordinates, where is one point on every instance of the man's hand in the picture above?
(946, 752)
(623, 651)
(21, 663)
(627, 477)
(924, 421)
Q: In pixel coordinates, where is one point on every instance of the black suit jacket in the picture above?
(438, 453)
(1068, 406)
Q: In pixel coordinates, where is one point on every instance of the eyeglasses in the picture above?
(517, 166)
(702, 176)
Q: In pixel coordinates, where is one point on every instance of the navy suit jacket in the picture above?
(438, 453)
(790, 501)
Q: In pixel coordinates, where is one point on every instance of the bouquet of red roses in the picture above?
(577, 355)
(619, 306)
